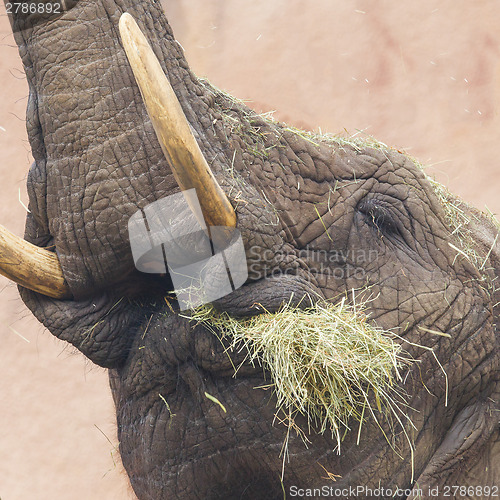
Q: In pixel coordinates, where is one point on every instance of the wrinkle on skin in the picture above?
(97, 162)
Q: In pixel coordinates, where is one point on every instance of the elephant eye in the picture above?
(381, 216)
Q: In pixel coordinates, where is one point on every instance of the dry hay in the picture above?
(326, 362)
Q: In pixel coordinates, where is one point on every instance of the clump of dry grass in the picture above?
(458, 221)
(359, 140)
(327, 362)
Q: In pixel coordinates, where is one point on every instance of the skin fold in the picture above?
(368, 215)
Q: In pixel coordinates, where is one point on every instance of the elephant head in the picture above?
(368, 214)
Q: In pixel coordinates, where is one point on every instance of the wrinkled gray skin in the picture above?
(97, 161)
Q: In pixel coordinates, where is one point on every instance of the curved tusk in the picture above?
(179, 146)
(31, 266)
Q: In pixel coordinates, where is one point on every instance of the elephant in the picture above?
(97, 161)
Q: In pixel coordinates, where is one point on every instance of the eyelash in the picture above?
(380, 217)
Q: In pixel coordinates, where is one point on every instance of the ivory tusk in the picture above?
(31, 266)
(179, 146)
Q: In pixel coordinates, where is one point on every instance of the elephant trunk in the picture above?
(97, 159)
(40, 270)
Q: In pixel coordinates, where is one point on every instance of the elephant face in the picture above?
(319, 217)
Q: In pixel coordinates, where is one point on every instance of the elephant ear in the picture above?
(474, 436)
(472, 439)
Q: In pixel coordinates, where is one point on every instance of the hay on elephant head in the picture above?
(326, 362)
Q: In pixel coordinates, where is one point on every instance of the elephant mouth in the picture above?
(39, 269)
(324, 359)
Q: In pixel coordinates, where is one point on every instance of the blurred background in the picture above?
(420, 76)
